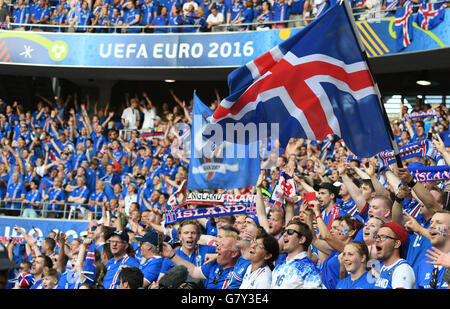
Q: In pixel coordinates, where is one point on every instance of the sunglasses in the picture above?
(434, 281)
(216, 278)
(291, 232)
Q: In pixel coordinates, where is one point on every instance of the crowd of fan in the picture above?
(106, 16)
(366, 228)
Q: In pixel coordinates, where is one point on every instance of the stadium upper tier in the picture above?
(193, 50)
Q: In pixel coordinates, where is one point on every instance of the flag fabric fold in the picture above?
(313, 84)
(403, 26)
(430, 15)
(212, 164)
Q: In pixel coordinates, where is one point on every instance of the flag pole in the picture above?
(348, 10)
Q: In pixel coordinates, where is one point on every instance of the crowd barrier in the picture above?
(67, 211)
(39, 227)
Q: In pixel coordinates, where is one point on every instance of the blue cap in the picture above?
(414, 165)
(123, 235)
(254, 218)
(150, 237)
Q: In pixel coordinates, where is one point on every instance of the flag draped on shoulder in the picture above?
(313, 84)
(216, 163)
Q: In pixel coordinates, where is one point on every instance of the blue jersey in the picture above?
(211, 229)
(237, 9)
(80, 192)
(60, 19)
(161, 21)
(349, 207)
(148, 11)
(40, 13)
(151, 268)
(130, 16)
(237, 275)
(197, 258)
(365, 281)
(20, 15)
(299, 272)
(57, 195)
(387, 274)
(281, 12)
(15, 191)
(216, 276)
(427, 272)
(330, 270)
(176, 20)
(97, 197)
(77, 159)
(38, 285)
(32, 197)
(297, 6)
(99, 141)
(416, 245)
(266, 18)
(113, 268)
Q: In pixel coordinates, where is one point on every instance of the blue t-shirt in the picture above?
(216, 276)
(32, 197)
(424, 275)
(365, 281)
(80, 192)
(197, 258)
(416, 245)
(151, 268)
(15, 191)
(330, 270)
(113, 268)
(238, 273)
(57, 195)
(160, 21)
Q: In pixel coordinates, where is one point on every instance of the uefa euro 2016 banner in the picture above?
(139, 50)
(39, 227)
(199, 50)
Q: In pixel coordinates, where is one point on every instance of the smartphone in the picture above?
(309, 196)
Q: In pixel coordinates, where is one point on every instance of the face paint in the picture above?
(246, 237)
(344, 232)
(442, 231)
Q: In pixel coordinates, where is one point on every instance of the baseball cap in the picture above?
(150, 237)
(123, 235)
(398, 230)
(329, 186)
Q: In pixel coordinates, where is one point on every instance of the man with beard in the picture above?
(41, 264)
(395, 273)
(217, 274)
(119, 243)
(430, 276)
(189, 233)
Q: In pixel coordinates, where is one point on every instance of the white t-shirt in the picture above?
(131, 116)
(214, 19)
(149, 116)
(258, 279)
(403, 276)
(187, 4)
